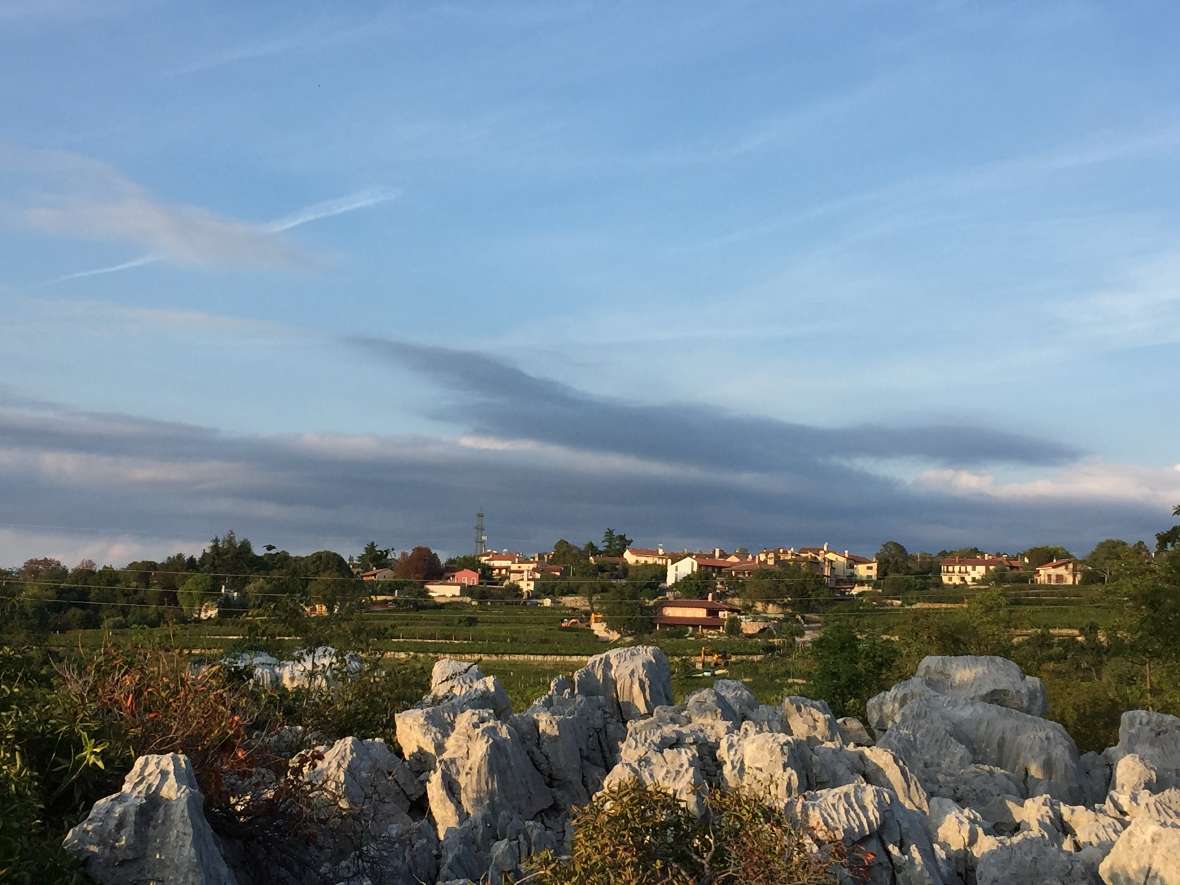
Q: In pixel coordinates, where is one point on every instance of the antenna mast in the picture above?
(481, 535)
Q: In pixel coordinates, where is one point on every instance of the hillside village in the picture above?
(711, 577)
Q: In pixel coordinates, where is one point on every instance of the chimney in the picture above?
(845, 554)
(825, 546)
(716, 552)
(660, 549)
(712, 596)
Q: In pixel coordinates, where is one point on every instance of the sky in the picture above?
(708, 274)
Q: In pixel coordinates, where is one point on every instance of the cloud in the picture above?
(91, 200)
(73, 477)
(497, 399)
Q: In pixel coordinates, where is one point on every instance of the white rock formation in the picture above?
(153, 830)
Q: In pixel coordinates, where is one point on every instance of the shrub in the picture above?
(642, 835)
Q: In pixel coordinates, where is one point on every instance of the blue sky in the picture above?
(306, 242)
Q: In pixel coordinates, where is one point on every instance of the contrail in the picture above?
(306, 215)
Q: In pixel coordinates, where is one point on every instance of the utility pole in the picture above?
(481, 535)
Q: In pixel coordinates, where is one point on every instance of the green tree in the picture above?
(1035, 557)
(614, 544)
(851, 667)
(374, 557)
(892, 559)
(196, 590)
(624, 608)
(1114, 560)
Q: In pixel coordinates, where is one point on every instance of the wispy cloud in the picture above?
(86, 199)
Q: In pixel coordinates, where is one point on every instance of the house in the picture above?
(701, 614)
(378, 574)
(697, 562)
(1060, 572)
(646, 556)
(863, 568)
(526, 572)
(501, 563)
(973, 569)
(468, 577)
(445, 589)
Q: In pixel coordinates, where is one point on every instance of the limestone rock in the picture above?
(1034, 858)
(939, 736)
(769, 764)
(1147, 853)
(852, 731)
(677, 770)
(484, 767)
(1154, 737)
(633, 681)
(366, 777)
(811, 720)
(463, 681)
(986, 678)
(153, 830)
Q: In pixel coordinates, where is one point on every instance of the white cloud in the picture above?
(1092, 481)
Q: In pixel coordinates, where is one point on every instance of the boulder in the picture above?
(633, 681)
(676, 770)
(153, 830)
(986, 678)
(365, 777)
(769, 764)
(940, 736)
(484, 767)
(1034, 858)
(1147, 853)
(894, 838)
(811, 720)
(852, 731)
(1155, 739)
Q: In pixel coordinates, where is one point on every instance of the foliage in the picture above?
(1037, 556)
(851, 667)
(420, 564)
(614, 544)
(892, 559)
(194, 592)
(1113, 560)
(625, 608)
(643, 836)
(374, 557)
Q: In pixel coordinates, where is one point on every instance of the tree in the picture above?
(420, 564)
(1038, 556)
(624, 608)
(850, 667)
(195, 591)
(614, 544)
(43, 569)
(374, 557)
(230, 558)
(892, 559)
(1114, 560)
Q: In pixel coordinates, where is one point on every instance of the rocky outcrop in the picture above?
(153, 830)
(966, 783)
(315, 667)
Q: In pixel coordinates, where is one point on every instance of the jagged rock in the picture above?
(633, 681)
(484, 767)
(1096, 775)
(1034, 858)
(881, 767)
(986, 678)
(938, 736)
(871, 818)
(1133, 773)
(153, 830)
(366, 777)
(773, 765)
(452, 680)
(316, 667)
(572, 741)
(708, 705)
(1163, 806)
(677, 770)
(1153, 737)
(811, 720)
(1147, 853)
(455, 686)
(961, 833)
(883, 709)
(740, 698)
(852, 731)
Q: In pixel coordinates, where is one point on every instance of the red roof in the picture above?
(707, 604)
(1057, 563)
(976, 560)
(711, 562)
(670, 621)
(645, 551)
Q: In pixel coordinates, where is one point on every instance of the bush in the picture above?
(642, 835)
